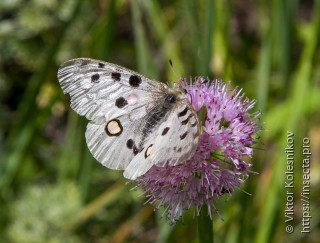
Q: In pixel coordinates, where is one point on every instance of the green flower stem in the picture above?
(205, 227)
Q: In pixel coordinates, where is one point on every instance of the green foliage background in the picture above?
(52, 190)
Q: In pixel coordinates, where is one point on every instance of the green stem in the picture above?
(205, 227)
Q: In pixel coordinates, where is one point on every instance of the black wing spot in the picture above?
(101, 65)
(186, 120)
(134, 81)
(95, 78)
(182, 113)
(164, 132)
(135, 150)
(183, 135)
(121, 102)
(116, 76)
(130, 144)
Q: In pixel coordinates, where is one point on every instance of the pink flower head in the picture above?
(217, 167)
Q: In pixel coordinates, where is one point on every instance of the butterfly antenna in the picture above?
(172, 69)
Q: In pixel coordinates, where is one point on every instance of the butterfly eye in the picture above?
(170, 98)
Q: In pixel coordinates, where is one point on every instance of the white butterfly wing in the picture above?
(172, 143)
(105, 92)
(98, 88)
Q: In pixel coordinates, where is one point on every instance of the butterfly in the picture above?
(134, 122)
